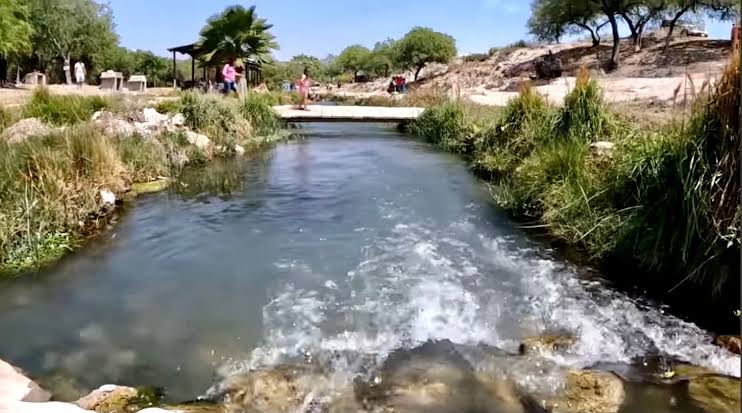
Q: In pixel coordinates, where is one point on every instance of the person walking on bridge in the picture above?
(303, 85)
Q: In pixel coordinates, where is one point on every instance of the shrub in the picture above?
(168, 106)
(64, 109)
(144, 159)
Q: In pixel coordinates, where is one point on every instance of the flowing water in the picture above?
(353, 240)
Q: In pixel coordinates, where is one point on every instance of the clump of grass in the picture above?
(258, 110)
(583, 115)
(49, 194)
(446, 125)
(522, 125)
(64, 109)
(6, 118)
(168, 106)
(145, 159)
(476, 57)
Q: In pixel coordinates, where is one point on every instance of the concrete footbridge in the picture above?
(327, 113)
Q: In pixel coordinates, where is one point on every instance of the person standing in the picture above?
(229, 73)
(304, 89)
(80, 74)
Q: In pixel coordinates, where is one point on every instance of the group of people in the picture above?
(230, 75)
(398, 84)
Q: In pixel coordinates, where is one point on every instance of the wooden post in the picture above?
(193, 70)
(175, 77)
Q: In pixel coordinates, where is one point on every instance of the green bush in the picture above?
(476, 57)
(584, 115)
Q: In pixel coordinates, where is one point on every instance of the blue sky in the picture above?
(320, 27)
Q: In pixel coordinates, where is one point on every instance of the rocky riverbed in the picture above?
(438, 376)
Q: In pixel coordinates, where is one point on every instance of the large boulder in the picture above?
(24, 129)
(587, 391)
(548, 67)
(112, 125)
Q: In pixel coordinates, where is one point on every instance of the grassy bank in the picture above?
(50, 186)
(663, 200)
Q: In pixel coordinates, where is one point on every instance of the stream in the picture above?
(354, 241)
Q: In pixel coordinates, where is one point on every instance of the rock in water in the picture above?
(715, 394)
(24, 129)
(239, 150)
(14, 386)
(731, 343)
(107, 197)
(282, 389)
(435, 378)
(109, 399)
(588, 391)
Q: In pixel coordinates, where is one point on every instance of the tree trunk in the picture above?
(417, 72)
(613, 64)
(67, 69)
(635, 31)
(674, 20)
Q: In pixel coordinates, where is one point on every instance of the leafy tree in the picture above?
(71, 28)
(237, 32)
(15, 28)
(421, 46)
(638, 15)
(332, 68)
(353, 59)
(302, 62)
(381, 59)
(552, 19)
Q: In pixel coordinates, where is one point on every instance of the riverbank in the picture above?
(68, 161)
(661, 201)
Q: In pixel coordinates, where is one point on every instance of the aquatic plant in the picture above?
(258, 110)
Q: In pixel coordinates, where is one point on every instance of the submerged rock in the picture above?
(239, 150)
(14, 386)
(715, 393)
(24, 129)
(588, 391)
(435, 378)
(731, 343)
(546, 344)
(149, 187)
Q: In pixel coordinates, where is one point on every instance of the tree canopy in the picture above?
(421, 46)
(71, 28)
(237, 32)
(15, 27)
(353, 59)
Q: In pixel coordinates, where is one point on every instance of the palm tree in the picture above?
(238, 33)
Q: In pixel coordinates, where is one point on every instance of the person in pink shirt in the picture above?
(230, 74)
(303, 85)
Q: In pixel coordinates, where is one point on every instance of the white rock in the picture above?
(107, 197)
(152, 116)
(602, 147)
(146, 130)
(97, 115)
(24, 129)
(239, 150)
(196, 139)
(177, 120)
(16, 387)
(117, 127)
(158, 410)
(48, 407)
